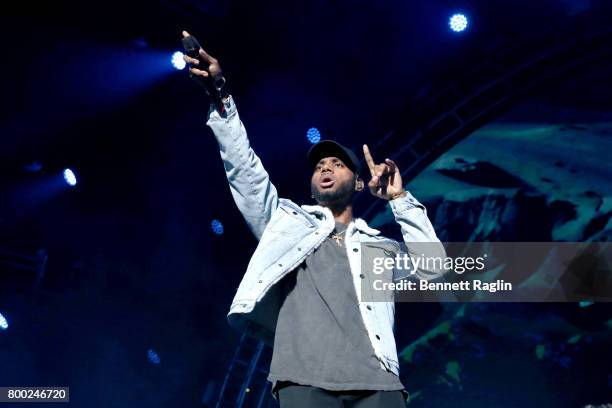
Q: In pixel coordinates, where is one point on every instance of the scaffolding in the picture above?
(245, 383)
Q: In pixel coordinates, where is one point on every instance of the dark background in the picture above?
(133, 264)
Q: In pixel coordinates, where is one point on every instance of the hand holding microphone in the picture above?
(204, 70)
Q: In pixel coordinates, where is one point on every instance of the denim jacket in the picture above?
(288, 233)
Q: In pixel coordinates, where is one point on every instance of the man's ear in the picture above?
(359, 184)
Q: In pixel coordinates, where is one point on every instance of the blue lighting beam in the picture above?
(70, 177)
(153, 357)
(313, 135)
(217, 227)
(177, 60)
(458, 22)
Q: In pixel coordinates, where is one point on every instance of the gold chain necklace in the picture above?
(338, 236)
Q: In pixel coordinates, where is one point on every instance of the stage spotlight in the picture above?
(3, 323)
(70, 177)
(216, 227)
(177, 60)
(153, 357)
(458, 22)
(313, 135)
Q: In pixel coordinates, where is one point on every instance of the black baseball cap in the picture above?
(329, 148)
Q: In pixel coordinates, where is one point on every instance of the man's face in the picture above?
(332, 182)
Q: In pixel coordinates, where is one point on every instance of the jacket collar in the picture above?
(360, 224)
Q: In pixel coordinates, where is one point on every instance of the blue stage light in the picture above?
(177, 60)
(458, 22)
(3, 323)
(153, 357)
(217, 227)
(313, 135)
(70, 177)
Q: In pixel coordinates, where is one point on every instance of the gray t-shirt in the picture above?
(320, 338)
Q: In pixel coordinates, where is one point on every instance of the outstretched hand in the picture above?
(386, 181)
(211, 65)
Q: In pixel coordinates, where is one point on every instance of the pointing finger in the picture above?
(369, 160)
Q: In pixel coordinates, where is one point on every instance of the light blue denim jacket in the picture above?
(288, 233)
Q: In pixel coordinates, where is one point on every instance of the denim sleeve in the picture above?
(250, 185)
(419, 235)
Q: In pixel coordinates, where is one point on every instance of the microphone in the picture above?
(214, 86)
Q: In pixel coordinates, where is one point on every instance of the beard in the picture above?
(343, 195)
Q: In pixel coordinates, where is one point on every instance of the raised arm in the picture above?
(417, 231)
(250, 185)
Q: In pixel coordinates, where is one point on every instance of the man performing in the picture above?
(301, 291)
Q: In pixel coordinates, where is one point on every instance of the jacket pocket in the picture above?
(287, 221)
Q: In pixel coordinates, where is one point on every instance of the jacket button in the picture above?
(369, 307)
(280, 265)
(377, 337)
(294, 213)
(316, 232)
(361, 275)
(355, 249)
(260, 281)
(299, 249)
